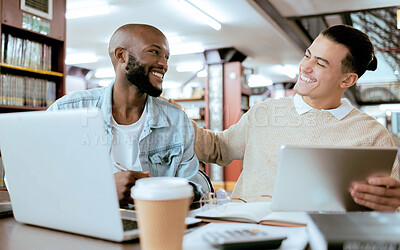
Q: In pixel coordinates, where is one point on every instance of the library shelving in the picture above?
(32, 56)
(194, 107)
(32, 67)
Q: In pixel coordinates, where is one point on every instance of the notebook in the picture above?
(318, 178)
(59, 174)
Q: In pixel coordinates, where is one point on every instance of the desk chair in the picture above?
(205, 182)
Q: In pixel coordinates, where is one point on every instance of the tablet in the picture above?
(318, 178)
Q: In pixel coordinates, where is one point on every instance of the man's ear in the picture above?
(349, 80)
(119, 54)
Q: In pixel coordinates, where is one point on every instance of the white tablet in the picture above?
(318, 178)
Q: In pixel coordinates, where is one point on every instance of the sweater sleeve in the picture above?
(221, 147)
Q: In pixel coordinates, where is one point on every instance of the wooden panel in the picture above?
(232, 171)
(232, 93)
(232, 110)
(12, 15)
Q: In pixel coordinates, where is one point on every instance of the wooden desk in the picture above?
(17, 236)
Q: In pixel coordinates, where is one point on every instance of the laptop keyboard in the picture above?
(129, 224)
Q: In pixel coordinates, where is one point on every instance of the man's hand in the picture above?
(380, 193)
(171, 101)
(125, 180)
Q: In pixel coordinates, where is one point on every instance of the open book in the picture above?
(253, 212)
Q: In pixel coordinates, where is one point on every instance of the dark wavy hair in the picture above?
(361, 56)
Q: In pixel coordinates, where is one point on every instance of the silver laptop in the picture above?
(59, 174)
(318, 178)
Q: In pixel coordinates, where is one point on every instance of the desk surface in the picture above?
(18, 236)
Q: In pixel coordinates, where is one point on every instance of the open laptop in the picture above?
(59, 174)
(318, 178)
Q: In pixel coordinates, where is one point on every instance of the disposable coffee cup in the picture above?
(161, 205)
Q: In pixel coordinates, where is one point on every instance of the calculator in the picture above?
(243, 239)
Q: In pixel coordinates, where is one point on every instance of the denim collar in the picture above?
(156, 118)
(342, 111)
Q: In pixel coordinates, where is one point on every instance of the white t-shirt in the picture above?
(125, 145)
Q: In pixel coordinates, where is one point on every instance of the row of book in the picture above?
(24, 52)
(26, 91)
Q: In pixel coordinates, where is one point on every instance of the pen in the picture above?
(119, 166)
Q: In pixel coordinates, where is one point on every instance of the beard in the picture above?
(136, 75)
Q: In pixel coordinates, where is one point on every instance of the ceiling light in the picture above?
(190, 67)
(187, 48)
(257, 80)
(86, 9)
(200, 14)
(104, 73)
(81, 58)
(202, 73)
(288, 70)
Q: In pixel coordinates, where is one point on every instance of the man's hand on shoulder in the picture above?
(379, 193)
(124, 181)
(171, 101)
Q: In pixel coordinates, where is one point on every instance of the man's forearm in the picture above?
(212, 147)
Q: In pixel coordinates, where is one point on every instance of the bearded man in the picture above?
(147, 135)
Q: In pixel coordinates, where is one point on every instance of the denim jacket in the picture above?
(166, 142)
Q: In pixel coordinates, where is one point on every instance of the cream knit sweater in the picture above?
(257, 137)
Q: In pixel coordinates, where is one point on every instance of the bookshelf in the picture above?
(32, 68)
(195, 109)
(32, 55)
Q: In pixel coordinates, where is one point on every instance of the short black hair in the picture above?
(361, 56)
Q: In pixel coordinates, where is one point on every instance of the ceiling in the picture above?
(263, 30)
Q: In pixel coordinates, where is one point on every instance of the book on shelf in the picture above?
(26, 91)
(25, 52)
(354, 230)
(253, 212)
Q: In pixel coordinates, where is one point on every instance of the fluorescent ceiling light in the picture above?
(81, 58)
(190, 67)
(290, 71)
(186, 48)
(201, 15)
(86, 9)
(202, 73)
(257, 80)
(105, 73)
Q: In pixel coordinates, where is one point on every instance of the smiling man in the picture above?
(147, 135)
(317, 116)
